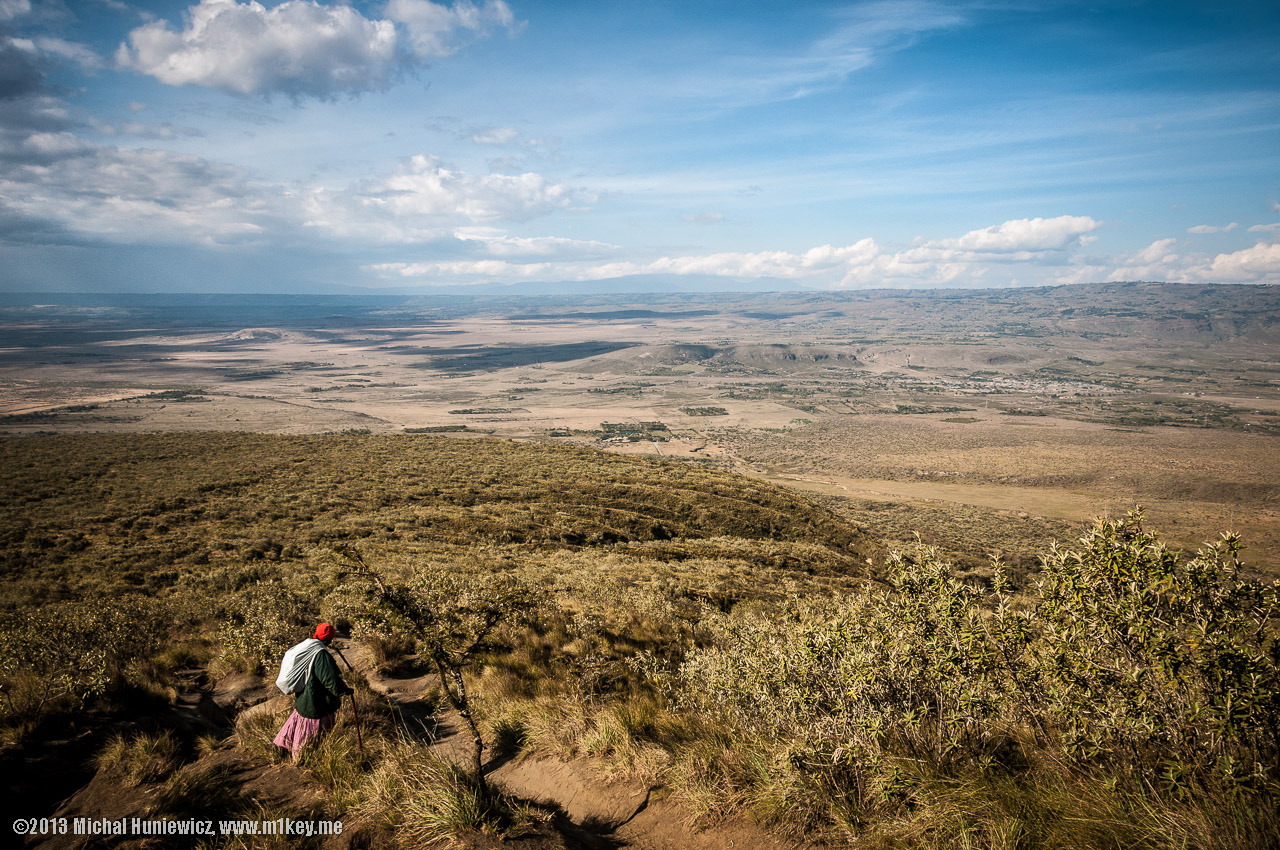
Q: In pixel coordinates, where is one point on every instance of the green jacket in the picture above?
(324, 690)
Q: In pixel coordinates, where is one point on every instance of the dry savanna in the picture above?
(875, 569)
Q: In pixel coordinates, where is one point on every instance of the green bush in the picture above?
(265, 620)
(1134, 666)
(1152, 663)
(64, 654)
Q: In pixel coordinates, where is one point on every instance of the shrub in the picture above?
(1159, 664)
(1134, 666)
(453, 618)
(265, 619)
(65, 654)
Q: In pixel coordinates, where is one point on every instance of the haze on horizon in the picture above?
(308, 145)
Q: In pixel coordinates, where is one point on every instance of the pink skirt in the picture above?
(298, 731)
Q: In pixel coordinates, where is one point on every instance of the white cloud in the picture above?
(498, 244)
(495, 136)
(299, 48)
(1023, 240)
(138, 129)
(467, 271)
(1265, 228)
(437, 30)
(1023, 235)
(1160, 251)
(862, 34)
(1157, 261)
(1213, 228)
(126, 195)
(1259, 264)
(704, 218)
(70, 51)
(426, 199)
(965, 260)
(303, 48)
(1164, 260)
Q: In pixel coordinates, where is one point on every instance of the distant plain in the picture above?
(988, 422)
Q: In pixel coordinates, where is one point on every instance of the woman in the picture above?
(315, 708)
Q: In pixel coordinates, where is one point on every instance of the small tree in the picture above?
(452, 618)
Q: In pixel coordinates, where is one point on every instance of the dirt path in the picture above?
(603, 813)
(598, 814)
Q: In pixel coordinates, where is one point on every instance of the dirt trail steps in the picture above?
(603, 813)
(598, 814)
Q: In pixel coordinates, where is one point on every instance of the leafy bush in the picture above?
(453, 618)
(265, 619)
(65, 654)
(1134, 666)
(1148, 661)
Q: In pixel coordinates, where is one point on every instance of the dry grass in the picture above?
(142, 758)
(669, 592)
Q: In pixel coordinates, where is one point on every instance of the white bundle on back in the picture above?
(296, 667)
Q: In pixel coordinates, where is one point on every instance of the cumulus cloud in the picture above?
(436, 30)
(56, 185)
(303, 48)
(425, 198)
(1158, 261)
(425, 187)
(1265, 228)
(160, 197)
(862, 264)
(1213, 228)
(1019, 238)
(964, 260)
(1165, 259)
(1258, 264)
(57, 182)
(299, 48)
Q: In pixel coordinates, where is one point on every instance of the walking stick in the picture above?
(354, 713)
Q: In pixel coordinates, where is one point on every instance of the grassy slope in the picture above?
(113, 512)
(632, 550)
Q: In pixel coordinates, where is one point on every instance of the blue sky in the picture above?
(294, 146)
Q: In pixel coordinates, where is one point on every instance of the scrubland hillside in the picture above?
(732, 646)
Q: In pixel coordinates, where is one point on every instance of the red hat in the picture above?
(324, 632)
